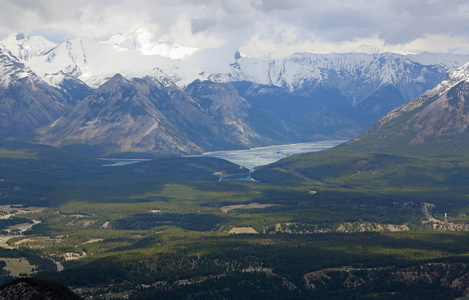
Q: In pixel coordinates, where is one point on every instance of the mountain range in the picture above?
(438, 117)
(419, 149)
(306, 227)
(129, 94)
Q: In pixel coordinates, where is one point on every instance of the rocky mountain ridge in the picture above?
(422, 145)
(356, 75)
(93, 62)
(439, 116)
(304, 97)
(145, 115)
(26, 101)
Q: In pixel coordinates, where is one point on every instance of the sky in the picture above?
(257, 28)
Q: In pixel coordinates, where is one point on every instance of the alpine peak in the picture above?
(25, 47)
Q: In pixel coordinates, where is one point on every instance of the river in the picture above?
(265, 155)
(251, 158)
(117, 162)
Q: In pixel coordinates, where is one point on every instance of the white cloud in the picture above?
(436, 43)
(257, 27)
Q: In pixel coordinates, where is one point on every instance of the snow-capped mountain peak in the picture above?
(25, 47)
(133, 54)
(459, 74)
(93, 62)
(140, 41)
(454, 77)
(305, 72)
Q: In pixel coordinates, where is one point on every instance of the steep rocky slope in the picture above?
(286, 116)
(146, 115)
(26, 102)
(435, 122)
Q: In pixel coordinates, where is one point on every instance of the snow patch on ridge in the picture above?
(454, 77)
(12, 69)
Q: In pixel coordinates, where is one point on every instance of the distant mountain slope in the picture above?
(231, 113)
(434, 123)
(282, 115)
(356, 75)
(420, 149)
(373, 84)
(124, 113)
(144, 115)
(26, 102)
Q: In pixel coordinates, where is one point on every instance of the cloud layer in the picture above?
(273, 28)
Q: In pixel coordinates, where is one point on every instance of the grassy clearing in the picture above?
(18, 266)
(18, 154)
